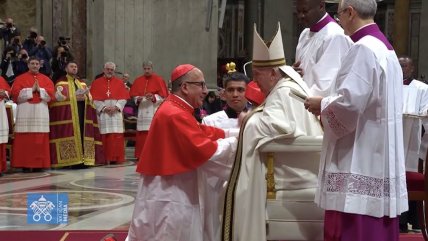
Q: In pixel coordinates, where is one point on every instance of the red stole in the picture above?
(27, 80)
(102, 89)
(153, 84)
(176, 142)
(4, 86)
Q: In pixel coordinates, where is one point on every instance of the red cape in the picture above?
(176, 142)
(153, 84)
(26, 80)
(4, 86)
(116, 86)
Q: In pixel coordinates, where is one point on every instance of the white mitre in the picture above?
(272, 55)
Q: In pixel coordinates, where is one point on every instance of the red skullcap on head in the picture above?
(254, 94)
(180, 71)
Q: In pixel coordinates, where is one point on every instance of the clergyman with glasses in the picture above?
(362, 179)
(180, 163)
(321, 46)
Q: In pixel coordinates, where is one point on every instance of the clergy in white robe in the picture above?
(235, 84)
(362, 181)
(415, 106)
(180, 164)
(234, 94)
(280, 116)
(321, 47)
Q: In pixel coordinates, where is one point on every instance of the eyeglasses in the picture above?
(339, 13)
(200, 83)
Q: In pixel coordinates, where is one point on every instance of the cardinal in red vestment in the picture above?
(148, 91)
(32, 91)
(110, 95)
(180, 164)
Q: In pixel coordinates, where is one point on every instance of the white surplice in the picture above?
(321, 54)
(415, 107)
(182, 204)
(220, 120)
(32, 117)
(146, 111)
(282, 117)
(362, 167)
(4, 123)
(110, 124)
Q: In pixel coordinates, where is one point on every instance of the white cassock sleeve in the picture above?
(25, 94)
(44, 95)
(99, 105)
(220, 163)
(354, 88)
(121, 104)
(325, 70)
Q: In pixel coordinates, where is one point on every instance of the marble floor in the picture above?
(99, 198)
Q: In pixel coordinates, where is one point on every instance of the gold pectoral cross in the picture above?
(108, 88)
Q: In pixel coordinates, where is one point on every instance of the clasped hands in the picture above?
(36, 87)
(148, 96)
(111, 110)
(313, 104)
(3, 94)
(80, 97)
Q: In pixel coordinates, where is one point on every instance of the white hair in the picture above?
(148, 63)
(365, 8)
(110, 64)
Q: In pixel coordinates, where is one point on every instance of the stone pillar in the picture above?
(401, 26)
(423, 47)
(78, 35)
(280, 11)
(251, 17)
(56, 18)
(167, 32)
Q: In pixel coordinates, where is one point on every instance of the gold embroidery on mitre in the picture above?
(270, 53)
(269, 63)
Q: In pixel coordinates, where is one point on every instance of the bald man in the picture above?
(321, 46)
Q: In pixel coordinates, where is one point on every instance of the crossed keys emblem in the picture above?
(42, 207)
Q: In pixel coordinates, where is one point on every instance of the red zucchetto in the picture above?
(180, 71)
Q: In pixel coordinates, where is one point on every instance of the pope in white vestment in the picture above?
(321, 47)
(280, 116)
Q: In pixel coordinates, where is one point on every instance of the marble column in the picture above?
(423, 47)
(78, 35)
(401, 26)
(69, 20)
